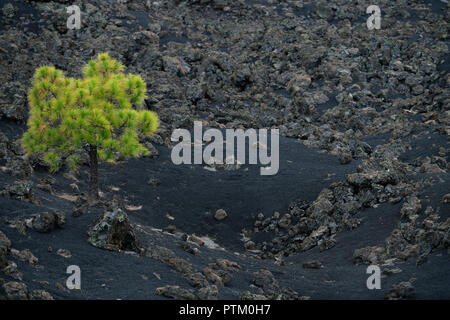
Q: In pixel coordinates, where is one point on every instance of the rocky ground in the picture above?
(364, 119)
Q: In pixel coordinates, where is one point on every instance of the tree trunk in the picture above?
(93, 174)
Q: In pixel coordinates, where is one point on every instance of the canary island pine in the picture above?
(99, 113)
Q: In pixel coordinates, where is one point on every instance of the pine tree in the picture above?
(98, 113)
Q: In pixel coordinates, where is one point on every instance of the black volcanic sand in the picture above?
(191, 194)
(188, 193)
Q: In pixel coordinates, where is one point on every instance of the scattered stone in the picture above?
(168, 257)
(113, 231)
(9, 10)
(285, 221)
(247, 295)
(176, 292)
(411, 207)
(220, 215)
(46, 222)
(45, 187)
(392, 271)
(403, 290)
(20, 190)
(313, 264)
(16, 291)
(60, 219)
(170, 229)
(265, 280)
(226, 277)
(250, 245)
(153, 181)
(43, 222)
(18, 224)
(327, 244)
(345, 156)
(228, 265)
(369, 255)
(210, 292)
(12, 271)
(195, 239)
(212, 276)
(197, 279)
(5, 245)
(40, 295)
(25, 256)
(188, 247)
(80, 209)
(64, 253)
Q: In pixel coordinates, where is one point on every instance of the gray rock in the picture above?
(210, 292)
(43, 222)
(20, 190)
(400, 291)
(16, 291)
(250, 245)
(113, 231)
(369, 255)
(168, 257)
(153, 181)
(411, 207)
(196, 279)
(9, 10)
(220, 215)
(313, 264)
(40, 295)
(5, 245)
(247, 295)
(265, 280)
(47, 222)
(25, 255)
(176, 292)
(285, 221)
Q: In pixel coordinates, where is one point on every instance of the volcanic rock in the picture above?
(113, 231)
(220, 215)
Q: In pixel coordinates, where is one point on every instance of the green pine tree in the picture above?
(98, 113)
